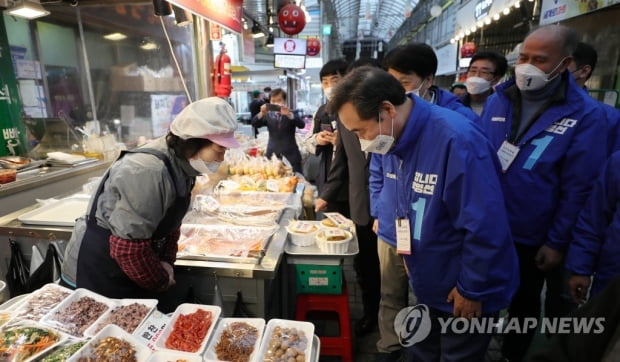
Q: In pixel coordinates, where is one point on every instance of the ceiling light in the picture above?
(148, 45)
(115, 36)
(487, 20)
(269, 42)
(467, 32)
(452, 41)
(473, 29)
(480, 23)
(496, 17)
(257, 32)
(506, 11)
(517, 4)
(29, 9)
(180, 16)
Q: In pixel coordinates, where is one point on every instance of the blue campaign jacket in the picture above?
(612, 115)
(442, 176)
(595, 248)
(448, 100)
(551, 176)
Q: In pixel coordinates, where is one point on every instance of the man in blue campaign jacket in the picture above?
(435, 175)
(595, 248)
(551, 142)
(414, 65)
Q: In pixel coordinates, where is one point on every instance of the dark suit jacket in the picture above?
(281, 137)
(323, 120)
(350, 166)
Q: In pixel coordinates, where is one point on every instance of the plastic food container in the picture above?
(165, 356)
(26, 341)
(333, 241)
(298, 336)
(142, 352)
(229, 324)
(302, 233)
(77, 312)
(184, 310)
(8, 175)
(120, 316)
(36, 305)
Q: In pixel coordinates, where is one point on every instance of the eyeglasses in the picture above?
(475, 72)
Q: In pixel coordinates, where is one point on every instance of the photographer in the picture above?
(281, 123)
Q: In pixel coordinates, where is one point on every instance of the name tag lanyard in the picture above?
(510, 148)
(403, 232)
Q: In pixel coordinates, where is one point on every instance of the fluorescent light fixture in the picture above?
(27, 9)
(149, 45)
(115, 36)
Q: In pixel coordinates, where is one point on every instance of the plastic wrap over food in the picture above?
(224, 240)
(286, 340)
(78, 312)
(36, 305)
(240, 209)
(21, 342)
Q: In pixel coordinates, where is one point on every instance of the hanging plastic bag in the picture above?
(47, 272)
(18, 273)
(241, 310)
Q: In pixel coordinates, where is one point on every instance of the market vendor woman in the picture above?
(127, 243)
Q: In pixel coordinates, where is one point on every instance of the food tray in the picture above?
(165, 356)
(306, 327)
(111, 330)
(6, 357)
(36, 305)
(314, 250)
(257, 323)
(227, 243)
(95, 327)
(188, 308)
(63, 351)
(51, 319)
(60, 213)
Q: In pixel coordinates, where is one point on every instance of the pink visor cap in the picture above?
(211, 118)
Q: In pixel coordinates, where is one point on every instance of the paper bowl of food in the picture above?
(333, 241)
(302, 233)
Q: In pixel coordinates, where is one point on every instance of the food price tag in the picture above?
(302, 227)
(337, 218)
(209, 203)
(272, 185)
(150, 330)
(334, 233)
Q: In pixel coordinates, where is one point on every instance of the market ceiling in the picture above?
(351, 19)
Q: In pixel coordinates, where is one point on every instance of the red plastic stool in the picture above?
(339, 303)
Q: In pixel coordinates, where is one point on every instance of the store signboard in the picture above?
(446, 59)
(553, 11)
(289, 61)
(227, 13)
(289, 46)
(12, 129)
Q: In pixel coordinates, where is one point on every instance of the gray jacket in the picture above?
(134, 200)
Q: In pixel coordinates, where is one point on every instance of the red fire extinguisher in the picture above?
(221, 74)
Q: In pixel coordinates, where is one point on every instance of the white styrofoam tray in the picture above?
(188, 308)
(306, 327)
(95, 327)
(59, 213)
(111, 330)
(258, 323)
(50, 319)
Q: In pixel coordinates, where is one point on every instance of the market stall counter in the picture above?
(254, 284)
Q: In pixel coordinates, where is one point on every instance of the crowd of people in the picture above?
(470, 203)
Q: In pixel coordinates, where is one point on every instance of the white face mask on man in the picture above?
(328, 92)
(477, 85)
(380, 144)
(203, 166)
(530, 78)
(417, 90)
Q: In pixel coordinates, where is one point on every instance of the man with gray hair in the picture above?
(551, 144)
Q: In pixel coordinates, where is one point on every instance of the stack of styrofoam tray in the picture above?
(288, 330)
(184, 309)
(150, 305)
(225, 323)
(142, 352)
(75, 323)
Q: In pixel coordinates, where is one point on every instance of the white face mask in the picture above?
(529, 78)
(328, 92)
(417, 90)
(380, 144)
(477, 85)
(204, 167)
